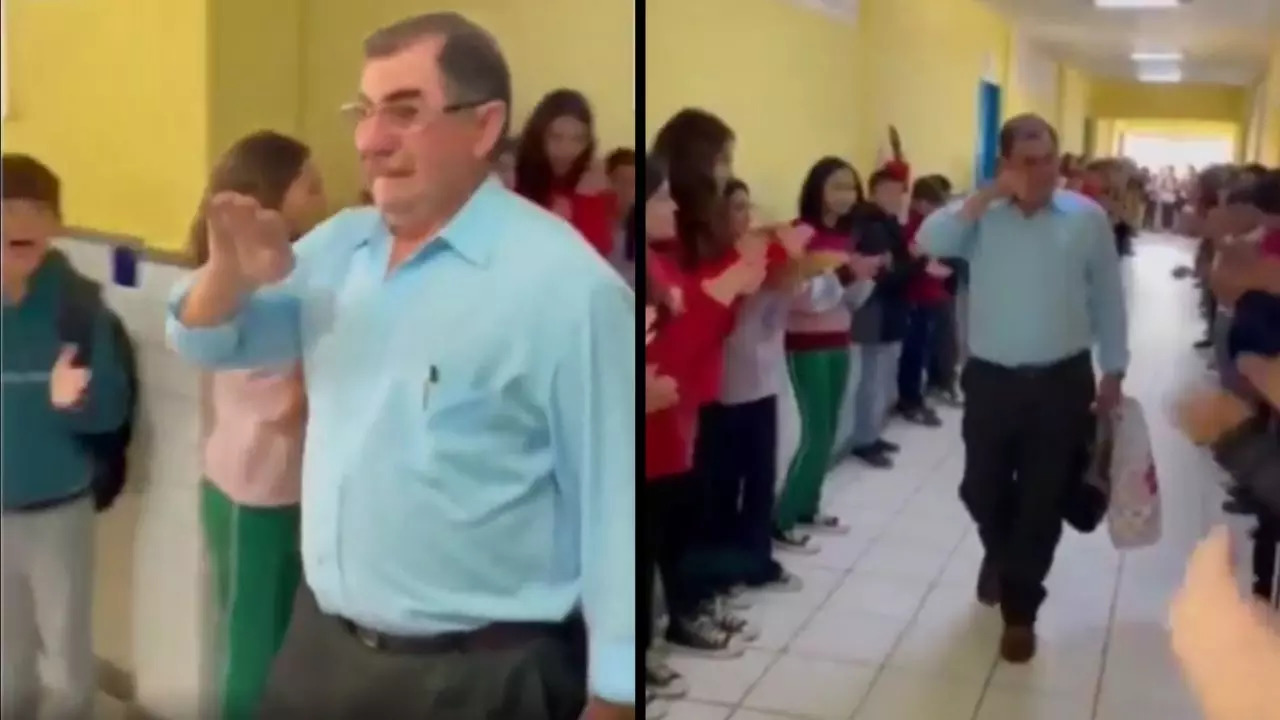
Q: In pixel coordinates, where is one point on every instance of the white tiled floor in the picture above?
(886, 627)
(109, 708)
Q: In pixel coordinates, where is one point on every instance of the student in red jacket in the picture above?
(700, 267)
(620, 165)
(556, 167)
(928, 296)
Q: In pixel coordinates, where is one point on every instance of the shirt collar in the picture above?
(469, 232)
(1059, 203)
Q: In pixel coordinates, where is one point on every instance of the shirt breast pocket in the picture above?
(447, 401)
(1069, 255)
(460, 412)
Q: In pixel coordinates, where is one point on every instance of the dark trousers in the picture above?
(1024, 431)
(738, 466)
(324, 671)
(1266, 541)
(922, 330)
(668, 509)
(944, 348)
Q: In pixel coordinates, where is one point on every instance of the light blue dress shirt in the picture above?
(1042, 287)
(470, 448)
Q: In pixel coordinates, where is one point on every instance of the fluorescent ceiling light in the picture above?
(1136, 4)
(1171, 76)
(1157, 57)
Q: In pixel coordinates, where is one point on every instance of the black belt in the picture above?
(1034, 371)
(491, 637)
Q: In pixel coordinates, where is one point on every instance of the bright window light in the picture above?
(1157, 57)
(1136, 4)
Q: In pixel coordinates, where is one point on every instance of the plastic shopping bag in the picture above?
(1134, 517)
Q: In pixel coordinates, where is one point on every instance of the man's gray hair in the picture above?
(470, 60)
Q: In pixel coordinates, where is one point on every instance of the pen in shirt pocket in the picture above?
(433, 379)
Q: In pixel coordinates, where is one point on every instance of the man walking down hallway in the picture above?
(1045, 287)
(468, 505)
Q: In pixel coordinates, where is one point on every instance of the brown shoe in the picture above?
(989, 584)
(1018, 644)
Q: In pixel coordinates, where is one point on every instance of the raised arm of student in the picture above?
(240, 309)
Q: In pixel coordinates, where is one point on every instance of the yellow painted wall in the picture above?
(784, 77)
(1073, 108)
(1116, 99)
(1018, 97)
(921, 65)
(131, 106)
(581, 44)
(797, 85)
(1270, 127)
(255, 68)
(114, 100)
(1105, 138)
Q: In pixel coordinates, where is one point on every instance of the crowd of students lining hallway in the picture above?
(919, 285)
(492, 422)
(1222, 638)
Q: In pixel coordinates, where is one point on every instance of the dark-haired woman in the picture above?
(253, 453)
(663, 425)
(556, 167)
(701, 263)
(691, 320)
(818, 345)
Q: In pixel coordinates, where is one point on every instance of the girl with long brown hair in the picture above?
(694, 260)
(555, 167)
(253, 453)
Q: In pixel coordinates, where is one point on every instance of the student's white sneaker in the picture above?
(702, 636)
(796, 542)
(825, 525)
(732, 623)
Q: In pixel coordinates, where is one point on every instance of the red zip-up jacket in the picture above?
(688, 348)
(595, 216)
(924, 290)
(1271, 244)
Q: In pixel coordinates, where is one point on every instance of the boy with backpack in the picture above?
(67, 402)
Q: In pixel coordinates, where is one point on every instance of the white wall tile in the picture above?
(157, 544)
(161, 370)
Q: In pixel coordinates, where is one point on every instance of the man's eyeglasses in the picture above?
(403, 115)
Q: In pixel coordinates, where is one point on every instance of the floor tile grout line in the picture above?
(929, 589)
(1106, 642)
(786, 648)
(884, 664)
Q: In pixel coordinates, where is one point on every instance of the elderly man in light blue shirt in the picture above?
(1045, 288)
(469, 478)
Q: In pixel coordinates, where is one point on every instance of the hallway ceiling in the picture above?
(1223, 41)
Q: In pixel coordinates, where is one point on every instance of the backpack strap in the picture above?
(77, 314)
